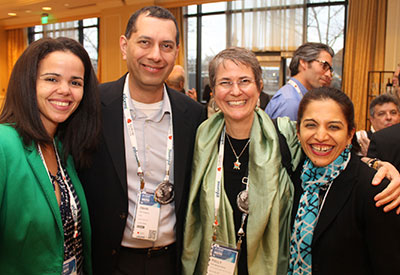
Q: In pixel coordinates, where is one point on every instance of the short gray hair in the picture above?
(238, 56)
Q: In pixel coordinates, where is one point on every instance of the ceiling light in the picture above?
(12, 14)
(46, 8)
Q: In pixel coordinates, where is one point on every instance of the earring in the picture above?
(257, 105)
(214, 106)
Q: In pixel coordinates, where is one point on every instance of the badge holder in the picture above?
(69, 266)
(222, 260)
(146, 218)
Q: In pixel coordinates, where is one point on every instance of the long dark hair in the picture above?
(79, 132)
(346, 105)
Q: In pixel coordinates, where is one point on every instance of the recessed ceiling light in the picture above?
(28, 11)
(66, 5)
(46, 8)
(12, 14)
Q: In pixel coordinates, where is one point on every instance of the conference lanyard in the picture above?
(296, 87)
(132, 137)
(73, 204)
(217, 192)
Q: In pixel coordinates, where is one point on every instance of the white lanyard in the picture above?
(132, 137)
(218, 178)
(217, 193)
(73, 204)
(296, 87)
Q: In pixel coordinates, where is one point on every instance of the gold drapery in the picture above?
(99, 61)
(16, 44)
(365, 51)
(177, 12)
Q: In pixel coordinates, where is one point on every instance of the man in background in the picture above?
(311, 67)
(176, 81)
(384, 111)
(385, 145)
(137, 186)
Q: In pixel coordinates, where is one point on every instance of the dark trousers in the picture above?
(133, 261)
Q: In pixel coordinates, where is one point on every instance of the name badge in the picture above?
(222, 260)
(147, 217)
(69, 267)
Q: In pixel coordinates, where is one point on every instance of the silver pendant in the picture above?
(164, 193)
(242, 201)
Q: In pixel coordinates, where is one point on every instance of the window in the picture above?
(85, 31)
(273, 29)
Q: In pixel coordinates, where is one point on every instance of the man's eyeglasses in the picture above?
(242, 83)
(325, 65)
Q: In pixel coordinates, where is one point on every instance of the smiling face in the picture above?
(323, 131)
(59, 88)
(237, 103)
(313, 74)
(150, 54)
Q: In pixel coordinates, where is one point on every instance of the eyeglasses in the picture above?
(325, 65)
(242, 83)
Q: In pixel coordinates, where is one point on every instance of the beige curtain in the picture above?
(16, 44)
(275, 29)
(66, 29)
(177, 12)
(365, 51)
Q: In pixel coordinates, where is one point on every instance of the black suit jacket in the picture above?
(105, 183)
(353, 236)
(385, 145)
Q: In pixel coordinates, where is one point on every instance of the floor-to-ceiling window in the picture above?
(85, 31)
(273, 29)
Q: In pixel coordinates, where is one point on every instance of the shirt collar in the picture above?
(301, 86)
(157, 116)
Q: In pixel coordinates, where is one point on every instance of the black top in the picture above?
(233, 185)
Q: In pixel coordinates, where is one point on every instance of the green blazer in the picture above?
(31, 231)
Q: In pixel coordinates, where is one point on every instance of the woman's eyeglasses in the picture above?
(242, 83)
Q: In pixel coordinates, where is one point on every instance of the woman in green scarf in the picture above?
(237, 157)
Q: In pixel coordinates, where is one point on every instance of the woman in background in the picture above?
(337, 228)
(50, 119)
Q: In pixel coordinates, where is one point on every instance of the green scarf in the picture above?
(270, 198)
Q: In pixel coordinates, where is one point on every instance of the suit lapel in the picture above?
(338, 194)
(180, 128)
(43, 180)
(113, 130)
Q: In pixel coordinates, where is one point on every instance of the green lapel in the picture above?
(43, 180)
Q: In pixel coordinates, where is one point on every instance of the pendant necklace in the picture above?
(236, 164)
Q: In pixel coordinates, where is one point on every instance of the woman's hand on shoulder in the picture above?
(390, 196)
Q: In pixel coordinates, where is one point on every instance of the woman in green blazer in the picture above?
(49, 120)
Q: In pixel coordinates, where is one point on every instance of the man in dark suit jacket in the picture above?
(385, 145)
(113, 182)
